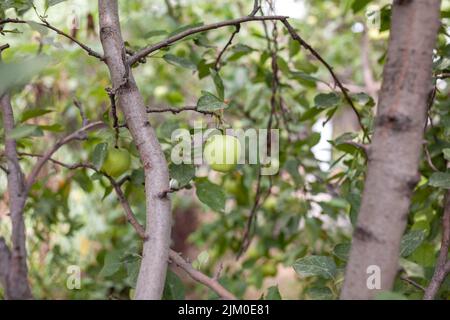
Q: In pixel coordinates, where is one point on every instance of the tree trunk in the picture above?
(15, 278)
(395, 151)
(152, 273)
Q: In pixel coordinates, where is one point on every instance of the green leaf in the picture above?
(413, 270)
(320, 293)
(34, 113)
(219, 84)
(273, 294)
(440, 180)
(305, 79)
(132, 266)
(19, 73)
(183, 173)
(186, 27)
(342, 251)
(38, 27)
(99, 154)
(111, 264)
(51, 3)
(209, 102)
(25, 131)
(358, 5)
(310, 113)
(173, 288)
(155, 33)
(326, 100)
(291, 166)
(210, 194)
(389, 295)
(320, 266)
(294, 47)
(53, 128)
(179, 61)
(239, 51)
(411, 241)
(446, 153)
(107, 192)
(137, 177)
(201, 260)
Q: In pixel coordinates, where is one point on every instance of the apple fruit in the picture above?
(117, 161)
(222, 152)
(269, 269)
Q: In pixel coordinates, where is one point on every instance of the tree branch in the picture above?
(17, 286)
(5, 258)
(200, 277)
(442, 264)
(80, 134)
(45, 24)
(179, 110)
(152, 273)
(167, 42)
(230, 41)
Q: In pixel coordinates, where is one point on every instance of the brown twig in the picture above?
(45, 23)
(412, 282)
(442, 264)
(179, 110)
(198, 276)
(230, 41)
(256, 7)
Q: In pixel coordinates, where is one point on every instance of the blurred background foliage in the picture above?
(303, 228)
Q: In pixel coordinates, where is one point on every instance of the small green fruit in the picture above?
(222, 152)
(117, 162)
(269, 269)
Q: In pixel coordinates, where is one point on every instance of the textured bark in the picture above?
(397, 143)
(17, 286)
(152, 273)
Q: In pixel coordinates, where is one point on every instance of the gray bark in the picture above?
(17, 286)
(152, 273)
(397, 143)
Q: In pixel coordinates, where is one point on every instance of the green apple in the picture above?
(222, 152)
(269, 269)
(117, 161)
(270, 203)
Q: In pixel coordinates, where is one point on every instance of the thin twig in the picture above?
(256, 8)
(179, 110)
(84, 119)
(112, 99)
(412, 282)
(198, 276)
(442, 264)
(45, 23)
(230, 41)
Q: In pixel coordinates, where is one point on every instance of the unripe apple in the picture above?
(222, 152)
(269, 269)
(117, 161)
